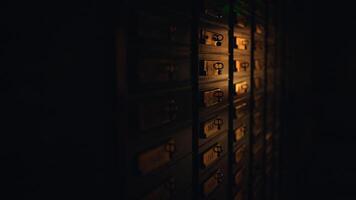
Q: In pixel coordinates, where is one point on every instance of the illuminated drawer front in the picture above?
(165, 30)
(213, 182)
(213, 125)
(241, 109)
(170, 183)
(163, 109)
(240, 154)
(242, 66)
(212, 152)
(213, 67)
(214, 11)
(241, 133)
(242, 44)
(160, 71)
(241, 88)
(213, 40)
(213, 95)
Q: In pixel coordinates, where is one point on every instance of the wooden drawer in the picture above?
(215, 11)
(168, 184)
(258, 83)
(243, 22)
(258, 123)
(259, 65)
(211, 153)
(212, 126)
(213, 39)
(242, 44)
(240, 155)
(241, 109)
(240, 178)
(161, 109)
(213, 185)
(150, 155)
(242, 88)
(242, 66)
(259, 101)
(213, 96)
(160, 70)
(241, 133)
(259, 47)
(213, 67)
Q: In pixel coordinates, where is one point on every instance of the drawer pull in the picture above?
(211, 68)
(241, 88)
(211, 38)
(241, 43)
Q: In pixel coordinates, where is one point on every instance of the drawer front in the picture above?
(259, 29)
(241, 88)
(213, 67)
(164, 109)
(259, 101)
(165, 29)
(258, 123)
(258, 83)
(239, 177)
(242, 109)
(242, 66)
(213, 95)
(156, 157)
(259, 47)
(158, 71)
(211, 153)
(215, 11)
(240, 154)
(242, 44)
(213, 185)
(213, 40)
(213, 125)
(167, 184)
(240, 133)
(259, 65)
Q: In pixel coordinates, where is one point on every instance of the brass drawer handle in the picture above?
(219, 66)
(218, 122)
(171, 147)
(218, 149)
(219, 95)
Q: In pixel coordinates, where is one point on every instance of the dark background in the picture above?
(58, 95)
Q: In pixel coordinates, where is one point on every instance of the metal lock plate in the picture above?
(241, 66)
(240, 133)
(212, 155)
(212, 126)
(212, 97)
(239, 154)
(163, 192)
(155, 158)
(241, 88)
(241, 43)
(211, 38)
(211, 67)
(213, 182)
